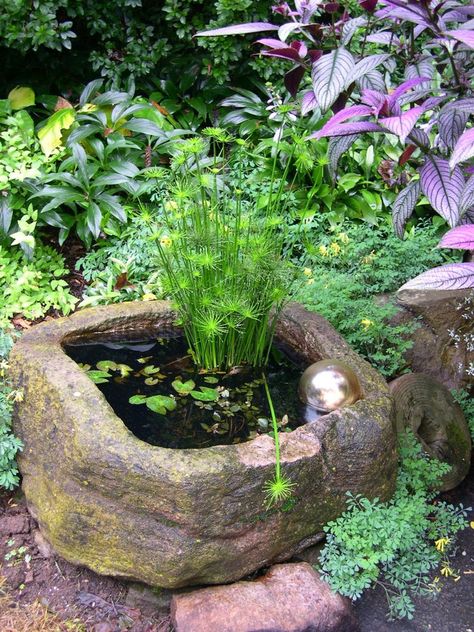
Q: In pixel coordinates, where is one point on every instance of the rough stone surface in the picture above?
(12, 525)
(172, 518)
(148, 600)
(424, 405)
(433, 351)
(289, 598)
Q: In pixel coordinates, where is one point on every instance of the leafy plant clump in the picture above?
(397, 544)
(9, 444)
(32, 288)
(222, 263)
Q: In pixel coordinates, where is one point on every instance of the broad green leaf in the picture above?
(205, 394)
(183, 388)
(98, 377)
(211, 380)
(21, 97)
(106, 365)
(137, 399)
(50, 134)
(161, 403)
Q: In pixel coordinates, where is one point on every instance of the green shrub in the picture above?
(33, 287)
(9, 445)
(397, 544)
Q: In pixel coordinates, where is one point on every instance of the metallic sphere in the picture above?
(329, 384)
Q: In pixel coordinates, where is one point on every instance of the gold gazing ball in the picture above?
(329, 384)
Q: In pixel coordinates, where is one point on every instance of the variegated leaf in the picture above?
(453, 276)
(464, 148)
(451, 124)
(366, 65)
(337, 147)
(467, 196)
(460, 237)
(372, 80)
(330, 75)
(404, 205)
(442, 187)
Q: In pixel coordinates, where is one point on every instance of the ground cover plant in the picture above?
(9, 445)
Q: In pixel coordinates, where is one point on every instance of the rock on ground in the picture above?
(289, 598)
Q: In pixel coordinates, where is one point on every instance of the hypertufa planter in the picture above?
(171, 517)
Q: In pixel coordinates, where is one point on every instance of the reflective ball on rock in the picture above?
(329, 384)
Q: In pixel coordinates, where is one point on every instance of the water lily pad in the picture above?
(211, 380)
(137, 399)
(150, 370)
(151, 381)
(124, 369)
(161, 404)
(183, 388)
(106, 365)
(99, 377)
(144, 360)
(206, 394)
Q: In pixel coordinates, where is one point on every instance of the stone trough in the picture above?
(171, 517)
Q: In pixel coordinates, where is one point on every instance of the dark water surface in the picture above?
(237, 408)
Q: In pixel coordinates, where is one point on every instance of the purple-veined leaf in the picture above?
(403, 206)
(422, 68)
(467, 196)
(384, 37)
(459, 237)
(403, 124)
(315, 54)
(271, 43)
(293, 79)
(452, 276)
(372, 80)
(419, 137)
(330, 74)
(464, 36)
(411, 11)
(287, 29)
(404, 87)
(282, 53)
(418, 30)
(300, 47)
(464, 148)
(343, 115)
(442, 187)
(366, 65)
(306, 8)
(468, 217)
(463, 105)
(337, 147)
(451, 124)
(375, 99)
(308, 103)
(239, 29)
(350, 27)
(347, 129)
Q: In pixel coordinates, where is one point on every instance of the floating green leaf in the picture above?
(205, 394)
(99, 377)
(161, 404)
(106, 365)
(183, 388)
(150, 370)
(211, 380)
(137, 399)
(151, 381)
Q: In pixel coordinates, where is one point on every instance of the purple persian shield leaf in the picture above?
(372, 80)
(464, 148)
(293, 79)
(451, 124)
(442, 187)
(468, 217)
(337, 147)
(366, 65)
(466, 37)
(404, 87)
(330, 75)
(282, 53)
(308, 103)
(306, 8)
(453, 276)
(460, 237)
(419, 29)
(350, 27)
(403, 124)
(271, 43)
(463, 105)
(422, 68)
(348, 129)
(411, 11)
(467, 196)
(300, 48)
(383, 37)
(404, 205)
(287, 29)
(375, 99)
(239, 29)
(419, 137)
(343, 115)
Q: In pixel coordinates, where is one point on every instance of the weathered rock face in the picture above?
(289, 598)
(434, 352)
(171, 518)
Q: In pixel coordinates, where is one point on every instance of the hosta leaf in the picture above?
(464, 148)
(404, 205)
(330, 75)
(50, 134)
(453, 276)
(239, 29)
(21, 97)
(183, 388)
(161, 403)
(461, 237)
(451, 124)
(442, 187)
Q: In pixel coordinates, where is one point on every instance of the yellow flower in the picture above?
(165, 242)
(323, 251)
(446, 570)
(366, 323)
(335, 248)
(308, 272)
(441, 544)
(19, 396)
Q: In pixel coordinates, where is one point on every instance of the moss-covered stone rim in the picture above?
(43, 345)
